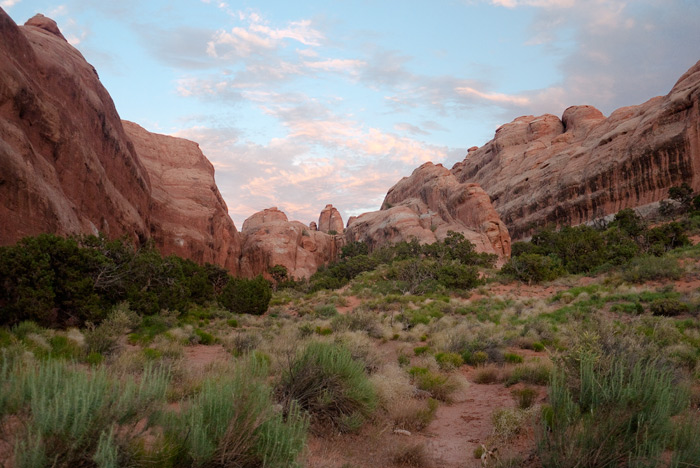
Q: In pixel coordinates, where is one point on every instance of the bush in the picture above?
(448, 361)
(668, 307)
(246, 296)
(533, 268)
(525, 397)
(232, 422)
(610, 415)
(649, 268)
(73, 414)
(330, 385)
(440, 386)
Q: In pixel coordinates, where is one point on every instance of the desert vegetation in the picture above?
(582, 351)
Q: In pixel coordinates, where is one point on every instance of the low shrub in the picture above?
(413, 455)
(512, 358)
(669, 307)
(533, 268)
(449, 361)
(650, 268)
(246, 296)
(533, 373)
(525, 397)
(440, 386)
(232, 422)
(487, 375)
(330, 385)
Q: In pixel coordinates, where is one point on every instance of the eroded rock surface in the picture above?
(270, 239)
(426, 206)
(66, 165)
(189, 217)
(330, 220)
(567, 171)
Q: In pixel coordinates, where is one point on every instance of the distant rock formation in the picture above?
(427, 205)
(189, 217)
(270, 239)
(330, 220)
(540, 170)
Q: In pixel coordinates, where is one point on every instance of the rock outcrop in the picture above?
(189, 217)
(270, 239)
(330, 220)
(540, 170)
(427, 205)
(66, 164)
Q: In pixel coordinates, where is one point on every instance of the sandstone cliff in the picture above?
(66, 165)
(567, 171)
(330, 220)
(189, 217)
(426, 206)
(270, 239)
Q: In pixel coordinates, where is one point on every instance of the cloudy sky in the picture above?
(303, 103)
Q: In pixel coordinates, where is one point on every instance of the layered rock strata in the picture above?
(540, 170)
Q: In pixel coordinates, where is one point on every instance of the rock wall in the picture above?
(66, 165)
(270, 239)
(540, 170)
(189, 217)
(426, 206)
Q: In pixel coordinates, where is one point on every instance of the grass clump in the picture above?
(610, 414)
(232, 422)
(325, 381)
(650, 268)
(449, 361)
(440, 386)
(73, 414)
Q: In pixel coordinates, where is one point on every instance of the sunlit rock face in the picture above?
(330, 220)
(426, 206)
(540, 170)
(66, 164)
(189, 217)
(270, 239)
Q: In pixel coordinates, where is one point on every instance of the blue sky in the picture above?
(300, 104)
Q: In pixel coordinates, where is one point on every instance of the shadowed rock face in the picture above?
(270, 239)
(189, 217)
(66, 165)
(541, 170)
(426, 206)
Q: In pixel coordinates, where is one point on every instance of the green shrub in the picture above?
(232, 422)
(669, 307)
(246, 296)
(330, 385)
(610, 415)
(525, 396)
(72, 414)
(204, 337)
(448, 361)
(440, 386)
(531, 373)
(476, 358)
(650, 268)
(421, 350)
(326, 311)
(533, 268)
(513, 358)
(487, 375)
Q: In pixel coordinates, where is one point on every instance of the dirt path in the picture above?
(460, 428)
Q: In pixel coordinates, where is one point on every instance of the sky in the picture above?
(303, 103)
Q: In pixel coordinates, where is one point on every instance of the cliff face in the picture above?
(567, 171)
(189, 217)
(69, 165)
(270, 239)
(426, 206)
(66, 165)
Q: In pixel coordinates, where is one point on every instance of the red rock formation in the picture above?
(189, 217)
(330, 220)
(270, 239)
(541, 170)
(66, 165)
(426, 206)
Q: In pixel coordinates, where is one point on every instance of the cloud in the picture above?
(8, 3)
(498, 98)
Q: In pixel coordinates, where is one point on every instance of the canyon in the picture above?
(70, 165)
